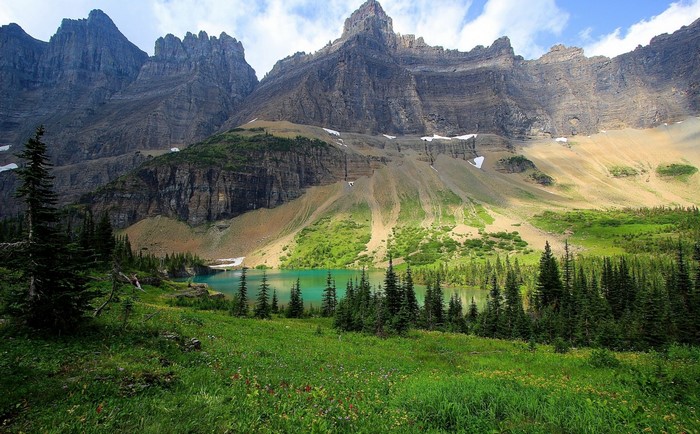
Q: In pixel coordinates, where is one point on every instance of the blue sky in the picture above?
(273, 29)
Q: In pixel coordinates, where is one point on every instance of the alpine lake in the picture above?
(313, 282)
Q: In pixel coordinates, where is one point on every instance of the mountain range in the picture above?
(111, 112)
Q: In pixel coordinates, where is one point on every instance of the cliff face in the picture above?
(226, 176)
(102, 100)
(374, 81)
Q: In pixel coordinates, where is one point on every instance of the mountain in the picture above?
(372, 80)
(105, 104)
(114, 112)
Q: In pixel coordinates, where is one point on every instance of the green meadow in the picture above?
(157, 368)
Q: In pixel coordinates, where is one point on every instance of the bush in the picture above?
(542, 178)
(561, 346)
(676, 170)
(602, 358)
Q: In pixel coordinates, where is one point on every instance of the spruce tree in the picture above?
(516, 324)
(274, 305)
(438, 303)
(329, 301)
(549, 287)
(392, 291)
(104, 240)
(472, 316)
(409, 291)
(56, 295)
(295, 309)
(262, 306)
(242, 310)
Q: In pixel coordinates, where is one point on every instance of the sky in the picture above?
(273, 29)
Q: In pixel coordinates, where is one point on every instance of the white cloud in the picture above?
(677, 15)
(269, 30)
(522, 22)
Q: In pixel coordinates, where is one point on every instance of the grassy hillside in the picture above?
(168, 369)
(423, 213)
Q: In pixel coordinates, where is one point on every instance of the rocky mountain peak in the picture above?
(196, 46)
(370, 17)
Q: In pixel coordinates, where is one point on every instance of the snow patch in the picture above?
(435, 137)
(679, 122)
(465, 137)
(228, 263)
(250, 122)
(478, 162)
(561, 139)
(4, 148)
(389, 137)
(333, 132)
(10, 166)
(351, 183)
(174, 149)
(603, 131)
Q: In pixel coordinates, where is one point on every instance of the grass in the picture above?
(676, 170)
(315, 249)
(622, 171)
(302, 376)
(608, 232)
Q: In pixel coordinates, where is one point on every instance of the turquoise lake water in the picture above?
(312, 283)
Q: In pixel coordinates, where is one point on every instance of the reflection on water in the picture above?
(313, 282)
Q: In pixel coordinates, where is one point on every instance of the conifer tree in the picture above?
(295, 309)
(104, 239)
(409, 291)
(516, 322)
(492, 324)
(56, 295)
(329, 301)
(472, 316)
(549, 288)
(438, 303)
(242, 310)
(392, 291)
(274, 305)
(455, 315)
(262, 306)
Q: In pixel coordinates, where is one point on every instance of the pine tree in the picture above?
(104, 240)
(242, 310)
(410, 296)
(56, 294)
(262, 306)
(455, 315)
(295, 309)
(549, 288)
(492, 324)
(274, 306)
(329, 301)
(392, 291)
(438, 304)
(472, 316)
(516, 324)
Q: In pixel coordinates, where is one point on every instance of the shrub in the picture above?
(676, 170)
(622, 171)
(561, 346)
(541, 178)
(602, 358)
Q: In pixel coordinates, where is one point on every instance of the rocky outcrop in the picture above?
(225, 177)
(102, 100)
(372, 80)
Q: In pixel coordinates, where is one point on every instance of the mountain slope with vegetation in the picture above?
(424, 200)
